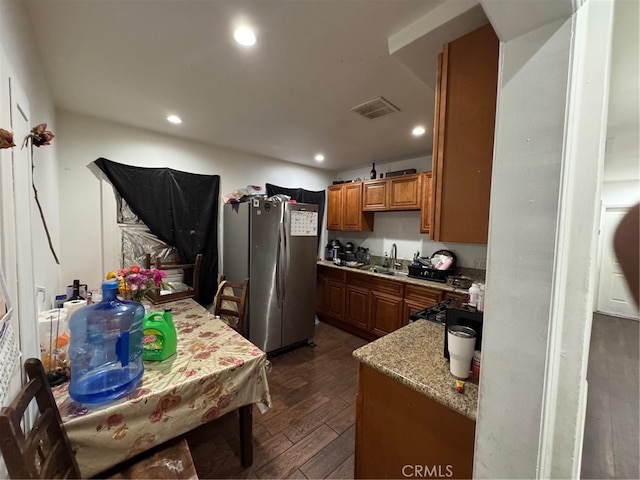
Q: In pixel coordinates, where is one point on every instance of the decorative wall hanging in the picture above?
(38, 137)
(6, 139)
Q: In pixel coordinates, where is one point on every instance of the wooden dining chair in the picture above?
(192, 269)
(230, 303)
(44, 451)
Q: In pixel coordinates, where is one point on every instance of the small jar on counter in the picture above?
(475, 364)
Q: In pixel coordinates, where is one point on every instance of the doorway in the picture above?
(614, 297)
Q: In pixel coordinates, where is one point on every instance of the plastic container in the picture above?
(160, 339)
(106, 348)
(473, 295)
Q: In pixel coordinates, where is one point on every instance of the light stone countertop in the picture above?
(398, 278)
(413, 355)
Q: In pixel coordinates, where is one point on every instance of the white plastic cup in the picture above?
(461, 341)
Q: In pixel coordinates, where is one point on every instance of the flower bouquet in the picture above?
(134, 282)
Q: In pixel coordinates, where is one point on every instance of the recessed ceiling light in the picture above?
(244, 36)
(319, 157)
(417, 131)
(174, 119)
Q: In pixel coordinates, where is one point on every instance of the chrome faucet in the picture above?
(394, 257)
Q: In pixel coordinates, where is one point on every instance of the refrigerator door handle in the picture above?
(280, 267)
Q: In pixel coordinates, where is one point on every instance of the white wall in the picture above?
(621, 194)
(548, 163)
(19, 59)
(17, 41)
(524, 209)
(403, 228)
(622, 165)
(83, 139)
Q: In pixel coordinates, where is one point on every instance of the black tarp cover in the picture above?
(180, 208)
(303, 196)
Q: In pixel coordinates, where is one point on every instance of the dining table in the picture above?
(215, 371)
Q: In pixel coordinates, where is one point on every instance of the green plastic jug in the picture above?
(160, 339)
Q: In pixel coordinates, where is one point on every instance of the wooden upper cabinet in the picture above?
(394, 193)
(353, 218)
(466, 93)
(334, 207)
(404, 192)
(426, 205)
(374, 195)
(344, 209)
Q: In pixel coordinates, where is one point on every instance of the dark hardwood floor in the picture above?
(309, 432)
(611, 440)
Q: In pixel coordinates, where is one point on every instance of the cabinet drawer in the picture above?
(424, 296)
(388, 287)
(375, 284)
(331, 273)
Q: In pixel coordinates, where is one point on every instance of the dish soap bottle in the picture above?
(160, 339)
(106, 348)
(385, 262)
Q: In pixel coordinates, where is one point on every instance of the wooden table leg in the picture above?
(246, 436)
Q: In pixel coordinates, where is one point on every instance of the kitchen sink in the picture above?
(384, 270)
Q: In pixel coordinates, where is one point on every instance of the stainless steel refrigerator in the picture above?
(274, 244)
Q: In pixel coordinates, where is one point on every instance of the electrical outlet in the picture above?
(480, 263)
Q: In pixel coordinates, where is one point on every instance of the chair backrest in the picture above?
(44, 451)
(230, 303)
(186, 267)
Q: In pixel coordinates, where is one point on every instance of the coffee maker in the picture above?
(460, 313)
(332, 249)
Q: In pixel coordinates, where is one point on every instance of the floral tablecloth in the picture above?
(214, 371)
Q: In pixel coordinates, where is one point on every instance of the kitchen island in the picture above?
(410, 420)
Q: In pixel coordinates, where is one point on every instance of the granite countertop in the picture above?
(413, 355)
(398, 278)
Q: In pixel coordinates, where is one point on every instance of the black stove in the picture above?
(436, 313)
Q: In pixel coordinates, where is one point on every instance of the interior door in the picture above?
(16, 255)
(614, 297)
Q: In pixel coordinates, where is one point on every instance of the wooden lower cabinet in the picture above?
(402, 433)
(357, 306)
(330, 293)
(386, 314)
(369, 306)
(335, 299)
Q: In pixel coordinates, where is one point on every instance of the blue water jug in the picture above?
(106, 348)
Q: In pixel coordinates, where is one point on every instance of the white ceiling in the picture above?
(288, 97)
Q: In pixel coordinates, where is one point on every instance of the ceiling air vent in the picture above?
(375, 108)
